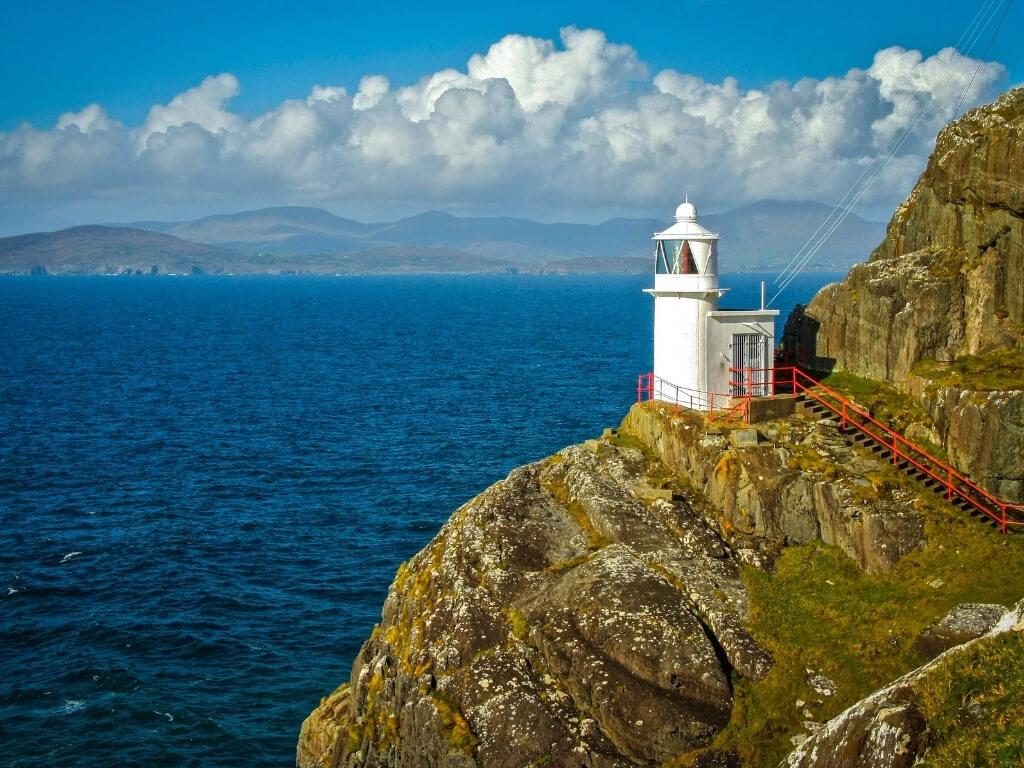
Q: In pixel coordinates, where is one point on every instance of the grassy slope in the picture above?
(975, 708)
(820, 611)
(1003, 369)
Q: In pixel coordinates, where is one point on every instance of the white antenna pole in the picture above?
(762, 294)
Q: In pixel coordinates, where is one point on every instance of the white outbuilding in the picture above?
(703, 355)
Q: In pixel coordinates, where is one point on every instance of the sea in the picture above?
(207, 483)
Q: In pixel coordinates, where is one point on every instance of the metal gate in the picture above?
(749, 358)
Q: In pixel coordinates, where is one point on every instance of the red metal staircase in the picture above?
(862, 430)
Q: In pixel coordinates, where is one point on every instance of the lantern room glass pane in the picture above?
(678, 256)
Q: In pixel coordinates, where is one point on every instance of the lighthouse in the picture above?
(703, 355)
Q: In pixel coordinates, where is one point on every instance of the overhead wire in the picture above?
(971, 36)
(839, 213)
(981, 59)
(973, 33)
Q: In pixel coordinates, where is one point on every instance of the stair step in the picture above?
(882, 449)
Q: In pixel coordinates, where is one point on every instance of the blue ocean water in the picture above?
(206, 484)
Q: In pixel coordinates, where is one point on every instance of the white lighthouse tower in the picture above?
(703, 355)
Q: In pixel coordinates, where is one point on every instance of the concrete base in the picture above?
(743, 438)
(767, 408)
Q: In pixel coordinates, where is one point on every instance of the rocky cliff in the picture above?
(594, 608)
(938, 309)
(572, 614)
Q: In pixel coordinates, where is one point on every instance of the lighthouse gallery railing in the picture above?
(718, 405)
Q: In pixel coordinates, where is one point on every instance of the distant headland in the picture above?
(300, 240)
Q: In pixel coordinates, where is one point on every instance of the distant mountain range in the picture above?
(761, 236)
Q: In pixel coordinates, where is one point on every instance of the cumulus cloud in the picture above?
(571, 125)
(372, 89)
(92, 118)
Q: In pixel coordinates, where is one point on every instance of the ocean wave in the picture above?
(69, 556)
(72, 705)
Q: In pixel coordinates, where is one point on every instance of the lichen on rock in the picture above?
(566, 616)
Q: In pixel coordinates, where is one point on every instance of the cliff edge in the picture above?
(572, 614)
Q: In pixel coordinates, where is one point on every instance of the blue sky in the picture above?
(56, 56)
(129, 58)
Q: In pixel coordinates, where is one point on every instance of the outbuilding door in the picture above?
(749, 357)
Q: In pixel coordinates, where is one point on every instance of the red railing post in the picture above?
(650, 386)
(640, 388)
(955, 483)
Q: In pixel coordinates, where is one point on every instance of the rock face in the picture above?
(982, 432)
(947, 281)
(589, 610)
(890, 729)
(569, 615)
(802, 482)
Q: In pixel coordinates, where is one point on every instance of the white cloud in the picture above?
(589, 67)
(372, 89)
(529, 123)
(204, 106)
(328, 93)
(92, 118)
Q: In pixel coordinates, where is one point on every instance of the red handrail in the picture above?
(647, 384)
(853, 415)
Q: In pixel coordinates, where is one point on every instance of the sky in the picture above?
(555, 111)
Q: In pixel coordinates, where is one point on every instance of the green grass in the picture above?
(885, 402)
(896, 409)
(626, 440)
(819, 610)
(975, 706)
(1002, 369)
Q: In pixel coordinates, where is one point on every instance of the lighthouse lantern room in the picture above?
(702, 352)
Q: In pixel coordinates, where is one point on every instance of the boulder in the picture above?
(965, 622)
(565, 616)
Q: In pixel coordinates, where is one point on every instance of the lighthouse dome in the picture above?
(686, 212)
(686, 226)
